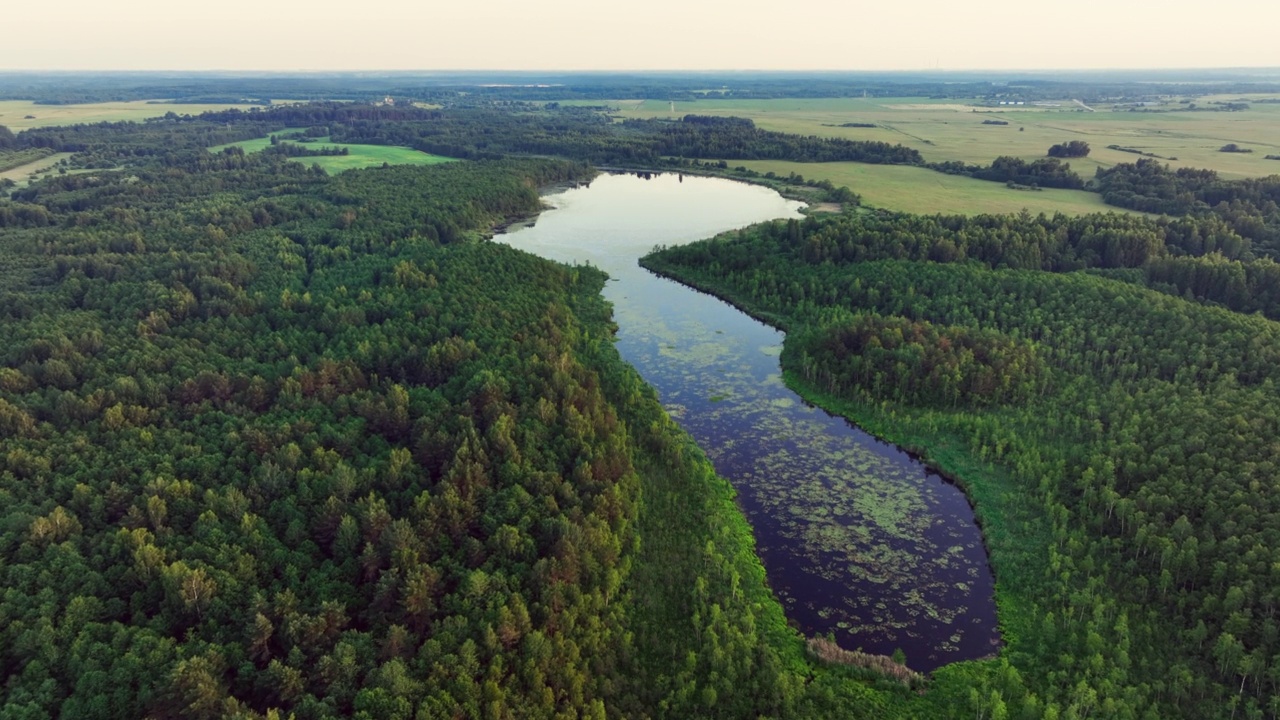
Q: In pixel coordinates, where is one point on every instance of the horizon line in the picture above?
(584, 71)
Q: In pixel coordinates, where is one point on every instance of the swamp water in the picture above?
(857, 538)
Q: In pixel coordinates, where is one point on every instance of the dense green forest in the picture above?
(1133, 434)
(279, 444)
(1251, 206)
(1198, 256)
(276, 443)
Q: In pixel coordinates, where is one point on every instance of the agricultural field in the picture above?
(920, 190)
(954, 130)
(359, 156)
(23, 114)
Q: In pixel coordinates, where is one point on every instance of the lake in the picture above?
(858, 538)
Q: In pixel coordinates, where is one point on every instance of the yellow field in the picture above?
(949, 130)
(22, 114)
(920, 190)
(23, 173)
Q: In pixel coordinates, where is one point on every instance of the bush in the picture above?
(1072, 149)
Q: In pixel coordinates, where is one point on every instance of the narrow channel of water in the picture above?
(857, 538)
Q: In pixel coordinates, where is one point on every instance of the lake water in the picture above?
(858, 538)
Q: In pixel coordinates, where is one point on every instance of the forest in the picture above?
(1251, 206)
(275, 443)
(279, 444)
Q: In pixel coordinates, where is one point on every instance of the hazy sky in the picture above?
(638, 34)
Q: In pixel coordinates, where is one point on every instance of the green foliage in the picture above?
(1128, 515)
(274, 443)
(1250, 206)
(1198, 257)
(277, 444)
(1070, 149)
(17, 158)
(305, 454)
(1045, 172)
(916, 363)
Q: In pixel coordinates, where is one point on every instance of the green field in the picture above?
(920, 190)
(953, 130)
(360, 156)
(24, 114)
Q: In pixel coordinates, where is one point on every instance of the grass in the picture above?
(24, 173)
(953, 130)
(359, 156)
(920, 190)
(10, 159)
(258, 144)
(23, 114)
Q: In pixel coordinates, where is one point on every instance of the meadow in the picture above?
(359, 156)
(920, 190)
(23, 114)
(954, 130)
(23, 173)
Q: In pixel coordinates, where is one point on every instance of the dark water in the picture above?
(857, 538)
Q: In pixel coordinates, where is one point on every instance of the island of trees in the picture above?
(1070, 149)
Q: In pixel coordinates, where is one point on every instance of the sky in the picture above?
(638, 35)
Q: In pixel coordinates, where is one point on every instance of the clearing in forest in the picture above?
(920, 190)
(358, 156)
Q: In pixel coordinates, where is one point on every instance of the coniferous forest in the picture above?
(275, 443)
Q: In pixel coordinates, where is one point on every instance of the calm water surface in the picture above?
(857, 538)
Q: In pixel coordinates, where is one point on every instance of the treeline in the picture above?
(1198, 257)
(1133, 530)
(738, 139)
(1251, 205)
(1070, 149)
(541, 87)
(17, 158)
(1058, 243)
(1154, 187)
(1044, 172)
(296, 150)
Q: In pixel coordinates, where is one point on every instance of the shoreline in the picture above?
(832, 406)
